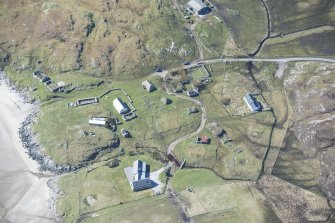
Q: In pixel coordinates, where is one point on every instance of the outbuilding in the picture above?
(192, 93)
(148, 86)
(166, 101)
(120, 106)
(198, 7)
(98, 121)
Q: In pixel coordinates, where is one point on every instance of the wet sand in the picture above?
(24, 194)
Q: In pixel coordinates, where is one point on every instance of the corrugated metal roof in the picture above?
(252, 103)
(196, 5)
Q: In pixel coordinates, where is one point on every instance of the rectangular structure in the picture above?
(139, 176)
(198, 7)
(120, 106)
(148, 86)
(98, 121)
(253, 105)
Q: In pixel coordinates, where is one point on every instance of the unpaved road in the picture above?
(201, 126)
(281, 61)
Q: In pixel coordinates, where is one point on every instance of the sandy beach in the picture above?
(24, 194)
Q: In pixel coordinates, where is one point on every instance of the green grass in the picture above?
(108, 185)
(230, 216)
(314, 44)
(193, 178)
(246, 20)
(242, 202)
(155, 210)
(300, 15)
(222, 158)
(213, 34)
(249, 132)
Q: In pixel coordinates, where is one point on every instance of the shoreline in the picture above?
(27, 193)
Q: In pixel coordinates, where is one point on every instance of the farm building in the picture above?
(120, 106)
(140, 176)
(166, 101)
(98, 121)
(252, 103)
(148, 86)
(198, 7)
(40, 76)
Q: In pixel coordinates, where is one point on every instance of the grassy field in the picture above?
(249, 133)
(318, 43)
(155, 210)
(246, 21)
(185, 178)
(246, 134)
(70, 145)
(229, 202)
(300, 15)
(213, 34)
(108, 186)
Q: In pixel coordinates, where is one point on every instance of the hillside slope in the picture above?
(115, 38)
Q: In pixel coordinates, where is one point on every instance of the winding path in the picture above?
(201, 126)
(172, 145)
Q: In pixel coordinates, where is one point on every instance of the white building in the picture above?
(120, 106)
(148, 86)
(98, 121)
(198, 7)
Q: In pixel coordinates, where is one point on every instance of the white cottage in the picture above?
(120, 106)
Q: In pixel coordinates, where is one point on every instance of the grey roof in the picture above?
(140, 170)
(148, 86)
(196, 5)
(252, 103)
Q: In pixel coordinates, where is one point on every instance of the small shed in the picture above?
(166, 101)
(203, 140)
(98, 121)
(148, 86)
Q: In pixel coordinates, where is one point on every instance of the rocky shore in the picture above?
(26, 193)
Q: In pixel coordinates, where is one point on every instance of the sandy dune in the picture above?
(24, 195)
